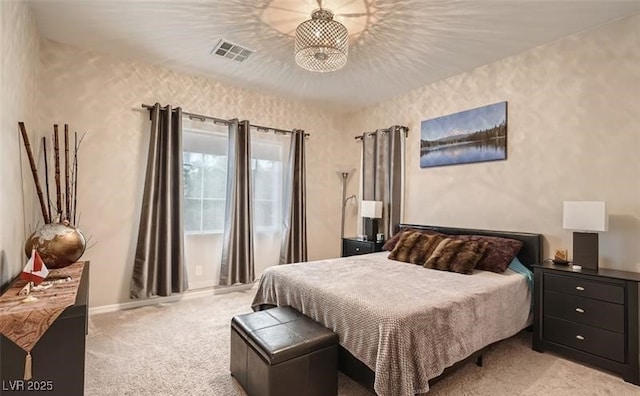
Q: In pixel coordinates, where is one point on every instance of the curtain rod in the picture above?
(369, 134)
(227, 122)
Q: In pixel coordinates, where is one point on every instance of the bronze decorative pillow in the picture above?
(415, 247)
(499, 252)
(391, 242)
(456, 255)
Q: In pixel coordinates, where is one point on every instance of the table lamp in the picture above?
(371, 211)
(587, 218)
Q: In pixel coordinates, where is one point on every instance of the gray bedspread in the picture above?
(403, 321)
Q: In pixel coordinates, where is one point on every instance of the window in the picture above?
(205, 179)
(267, 166)
(205, 148)
(204, 161)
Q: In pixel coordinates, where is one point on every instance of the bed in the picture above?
(401, 325)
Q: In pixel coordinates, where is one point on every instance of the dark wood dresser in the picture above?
(591, 316)
(354, 246)
(58, 357)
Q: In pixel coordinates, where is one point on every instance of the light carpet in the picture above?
(182, 348)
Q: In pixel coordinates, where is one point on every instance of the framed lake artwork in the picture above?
(474, 135)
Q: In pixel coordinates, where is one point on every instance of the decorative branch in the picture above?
(67, 187)
(34, 171)
(75, 175)
(46, 175)
(56, 150)
(78, 143)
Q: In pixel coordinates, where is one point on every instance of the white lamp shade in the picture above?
(585, 216)
(371, 209)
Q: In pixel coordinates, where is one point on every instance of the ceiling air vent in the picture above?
(227, 49)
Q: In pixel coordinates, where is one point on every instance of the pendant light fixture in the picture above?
(321, 43)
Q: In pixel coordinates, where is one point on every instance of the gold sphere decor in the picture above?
(58, 244)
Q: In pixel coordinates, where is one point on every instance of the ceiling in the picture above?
(395, 46)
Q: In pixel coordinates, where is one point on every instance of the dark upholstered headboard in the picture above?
(530, 253)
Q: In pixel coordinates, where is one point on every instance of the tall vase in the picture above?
(58, 244)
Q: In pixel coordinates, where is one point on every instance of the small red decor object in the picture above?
(35, 271)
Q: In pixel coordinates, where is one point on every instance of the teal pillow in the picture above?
(520, 268)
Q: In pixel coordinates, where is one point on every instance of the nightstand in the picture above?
(588, 315)
(354, 246)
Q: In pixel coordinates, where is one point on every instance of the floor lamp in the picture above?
(345, 178)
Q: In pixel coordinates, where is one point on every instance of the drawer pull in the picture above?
(580, 288)
(579, 310)
(580, 337)
(357, 249)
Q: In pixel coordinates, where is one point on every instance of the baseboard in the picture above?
(177, 297)
(209, 284)
(230, 289)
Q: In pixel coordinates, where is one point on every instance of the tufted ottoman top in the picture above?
(282, 333)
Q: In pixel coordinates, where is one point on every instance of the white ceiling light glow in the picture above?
(284, 16)
(321, 44)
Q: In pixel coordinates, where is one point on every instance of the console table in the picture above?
(58, 357)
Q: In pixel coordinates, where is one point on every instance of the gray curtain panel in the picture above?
(159, 268)
(382, 174)
(237, 264)
(294, 235)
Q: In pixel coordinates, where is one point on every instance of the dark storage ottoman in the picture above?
(282, 352)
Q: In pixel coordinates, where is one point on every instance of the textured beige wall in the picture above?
(19, 44)
(96, 93)
(573, 134)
